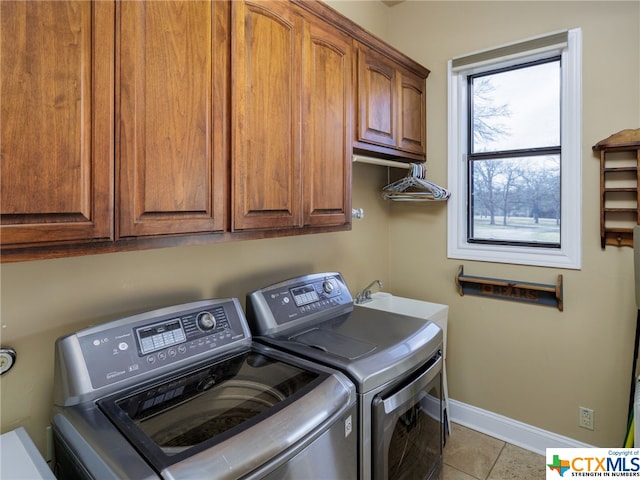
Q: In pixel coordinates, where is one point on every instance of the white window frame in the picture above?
(568, 44)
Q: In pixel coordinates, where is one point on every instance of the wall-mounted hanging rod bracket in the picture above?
(381, 162)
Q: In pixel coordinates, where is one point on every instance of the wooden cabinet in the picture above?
(327, 125)
(391, 105)
(291, 119)
(412, 123)
(56, 97)
(619, 212)
(173, 65)
(182, 122)
(266, 66)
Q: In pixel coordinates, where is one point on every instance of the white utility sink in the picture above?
(20, 458)
(435, 312)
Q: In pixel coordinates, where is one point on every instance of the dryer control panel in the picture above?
(294, 302)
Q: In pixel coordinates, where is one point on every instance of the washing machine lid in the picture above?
(334, 343)
(230, 418)
(372, 347)
(313, 316)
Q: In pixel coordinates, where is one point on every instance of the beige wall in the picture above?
(530, 363)
(372, 15)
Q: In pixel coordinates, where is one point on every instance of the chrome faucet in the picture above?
(365, 295)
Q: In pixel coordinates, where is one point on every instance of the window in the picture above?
(515, 153)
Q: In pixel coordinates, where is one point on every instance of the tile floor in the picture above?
(470, 455)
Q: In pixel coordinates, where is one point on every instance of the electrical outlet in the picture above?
(585, 418)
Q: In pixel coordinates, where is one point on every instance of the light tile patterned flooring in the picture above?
(470, 455)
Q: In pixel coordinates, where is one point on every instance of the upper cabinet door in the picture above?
(392, 106)
(327, 125)
(266, 81)
(173, 64)
(377, 98)
(413, 113)
(56, 143)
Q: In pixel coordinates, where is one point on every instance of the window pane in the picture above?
(515, 200)
(516, 109)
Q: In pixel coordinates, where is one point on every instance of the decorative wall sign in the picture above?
(525, 292)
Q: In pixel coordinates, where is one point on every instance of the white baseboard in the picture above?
(512, 431)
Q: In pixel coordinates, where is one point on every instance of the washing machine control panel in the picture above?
(157, 340)
(212, 322)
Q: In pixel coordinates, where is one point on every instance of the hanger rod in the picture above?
(381, 162)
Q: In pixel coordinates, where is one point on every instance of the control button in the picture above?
(162, 356)
(285, 300)
(122, 346)
(327, 286)
(151, 359)
(206, 321)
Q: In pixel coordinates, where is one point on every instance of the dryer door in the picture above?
(407, 427)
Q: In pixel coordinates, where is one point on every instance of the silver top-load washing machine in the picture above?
(394, 360)
(184, 393)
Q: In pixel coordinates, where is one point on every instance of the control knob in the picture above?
(327, 286)
(206, 321)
